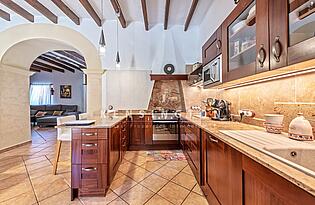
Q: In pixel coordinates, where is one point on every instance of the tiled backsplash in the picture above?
(287, 96)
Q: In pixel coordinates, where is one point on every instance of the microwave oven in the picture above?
(212, 72)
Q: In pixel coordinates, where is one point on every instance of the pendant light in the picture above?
(102, 43)
(117, 42)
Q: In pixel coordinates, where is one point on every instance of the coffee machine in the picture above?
(220, 109)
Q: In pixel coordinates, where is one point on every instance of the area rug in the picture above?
(166, 155)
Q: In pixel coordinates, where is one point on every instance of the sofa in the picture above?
(49, 119)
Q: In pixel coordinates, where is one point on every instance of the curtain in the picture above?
(40, 94)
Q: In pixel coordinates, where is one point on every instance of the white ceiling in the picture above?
(132, 10)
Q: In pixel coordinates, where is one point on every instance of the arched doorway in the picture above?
(20, 46)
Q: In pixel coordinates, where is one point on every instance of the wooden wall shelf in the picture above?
(169, 77)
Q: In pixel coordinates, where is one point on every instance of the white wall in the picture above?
(127, 89)
(215, 16)
(66, 78)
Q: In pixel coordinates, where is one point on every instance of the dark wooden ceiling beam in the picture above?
(166, 14)
(145, 14)
(17, 9)
(66, 10)
(191, 13)
(54, 62)
(79, 61)
(76, 55)
(44, 65)
(43, 10)
(61, 61)
(35, 70)
(65, 59)
(5, 15)
(119, 13)
(37, 67)
(88, 7)
(69, 58)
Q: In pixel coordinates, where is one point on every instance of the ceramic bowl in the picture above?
(301, 126)
(274, 119)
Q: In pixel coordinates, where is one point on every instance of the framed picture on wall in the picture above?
(65, 91)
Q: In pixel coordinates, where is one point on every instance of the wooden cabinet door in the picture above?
(115, 150)
(264, 187)
(212, 48)
(278, 25)
(148, 133)
(137, 136)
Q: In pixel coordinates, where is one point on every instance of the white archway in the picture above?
(19, 46)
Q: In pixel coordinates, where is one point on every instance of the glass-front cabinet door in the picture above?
(301, 30)
(242, 39)
(239, 37)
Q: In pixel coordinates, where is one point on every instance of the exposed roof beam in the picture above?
(35, 70)
(17, 9)
(43, 10)
(54, 62)
(69, 58)
(145, 14)
(40, 68)
(191, 13)
(65, 59)
(76, 55)
(119, 13)
(44, 65)
(88, 7)
(5, 15)
(61, 61)
(66, 10)
(167, 11)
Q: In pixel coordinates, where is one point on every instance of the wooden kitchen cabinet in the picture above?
(301, 27)
(192, 147)
(213, 47)
(148, 133)
(115, 153)
(264, 187)
(222, 181)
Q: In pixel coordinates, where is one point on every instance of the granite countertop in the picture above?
(293, 175)
(101, 122)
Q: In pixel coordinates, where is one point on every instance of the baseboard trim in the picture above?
(14, 146)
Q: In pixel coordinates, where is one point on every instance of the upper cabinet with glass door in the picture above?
(301, 30)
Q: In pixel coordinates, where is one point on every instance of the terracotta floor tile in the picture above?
(138, 174)
(185, 180)
(13, 180)
(137, 195)
(38, 165)
(40, 172)
(173, 193)
(154, 182)
(167, 172)
(110, 196)
(151, 166)
(195, 199)
(23, 199)
(138, 160)
(62, 198)
(198, 190)
(127, 167)
(16, 160)
(178, 165)
(47, 186)
(16, 190)
(34, 160)
(187, 170)
(158, 200)
(130, 155)
(122, 185)
(11, 170)
(118, 175)
(118, 201)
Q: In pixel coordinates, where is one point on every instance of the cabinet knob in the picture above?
(277, 49)
(261, 56)
(218, 44)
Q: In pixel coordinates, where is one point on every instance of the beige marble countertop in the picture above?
(101, 122)
(293, 175)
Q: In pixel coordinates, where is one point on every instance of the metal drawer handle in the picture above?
(261, 56)
(90, 145)
(277, 49)
(89, 169)
(218, 44)
(89, 134)
(214, 140)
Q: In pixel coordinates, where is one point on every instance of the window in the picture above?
(40, 94)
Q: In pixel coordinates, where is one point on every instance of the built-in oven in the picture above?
(165, 131)
(212, 72)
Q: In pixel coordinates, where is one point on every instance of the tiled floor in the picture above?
(26, 178)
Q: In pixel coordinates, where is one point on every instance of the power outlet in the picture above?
(246, 113)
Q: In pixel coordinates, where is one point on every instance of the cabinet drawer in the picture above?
(89, 134)
(93, 176)
(94, 151)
